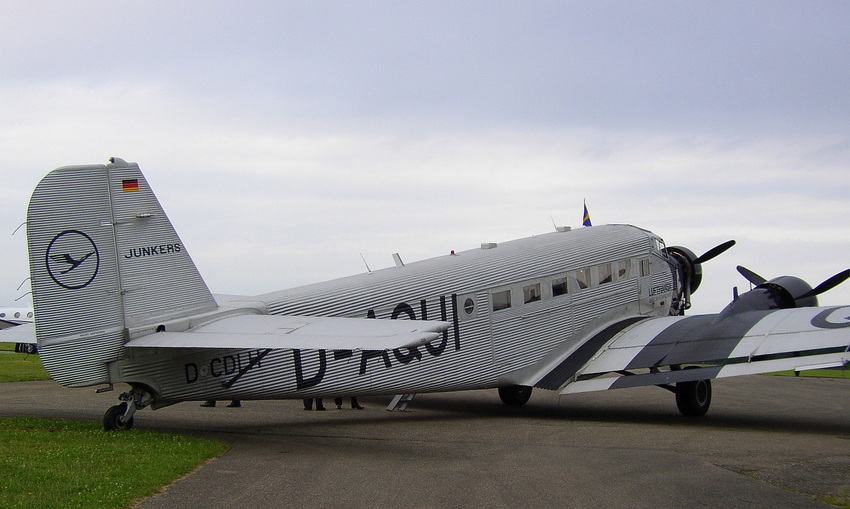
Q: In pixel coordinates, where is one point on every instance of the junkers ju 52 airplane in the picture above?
(571, 311)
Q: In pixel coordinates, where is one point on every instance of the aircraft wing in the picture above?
(24, 333)
(652, 351)
(299, 332)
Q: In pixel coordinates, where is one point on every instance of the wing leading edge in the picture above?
(654, 351)
(299, 332)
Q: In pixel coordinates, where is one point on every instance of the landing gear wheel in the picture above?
(693, 398)
(113, 419)
(515, 395)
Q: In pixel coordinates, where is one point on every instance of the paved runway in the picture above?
(766, 442)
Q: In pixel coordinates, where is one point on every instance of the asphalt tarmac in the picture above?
(766, 442)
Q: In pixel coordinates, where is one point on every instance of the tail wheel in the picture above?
(113, 419)
(693, 398)
(515, 395)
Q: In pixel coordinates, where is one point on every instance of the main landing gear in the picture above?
(693, 398)
(120, 416)
(515, 395)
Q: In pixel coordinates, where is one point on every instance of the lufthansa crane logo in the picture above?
(72, 259)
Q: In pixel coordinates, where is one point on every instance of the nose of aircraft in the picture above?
(689, 270)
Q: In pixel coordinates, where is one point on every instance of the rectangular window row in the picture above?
(583, 278)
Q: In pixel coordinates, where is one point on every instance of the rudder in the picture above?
(104, 257)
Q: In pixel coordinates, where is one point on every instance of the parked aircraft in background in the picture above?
(118, 299)
(9, 317)
(25, 338)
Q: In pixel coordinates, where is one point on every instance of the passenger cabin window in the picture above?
(644, 267)
(501, 300)
(605, 273)
(559, 286)
(583, 278)
(531, 293)
(624, 269)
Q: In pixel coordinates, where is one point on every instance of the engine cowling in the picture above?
(687, 271)
(783, 292)
(791, 292)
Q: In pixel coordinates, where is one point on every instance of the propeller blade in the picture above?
(715, 251)
(827, 285)
(751, 276)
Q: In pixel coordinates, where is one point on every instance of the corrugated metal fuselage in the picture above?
(549, 310)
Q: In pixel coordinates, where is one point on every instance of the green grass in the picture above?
(818, 373)
(61, 464)
(842, 501)
(21, 367)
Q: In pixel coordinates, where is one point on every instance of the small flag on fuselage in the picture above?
(586, 219)
(130, 186)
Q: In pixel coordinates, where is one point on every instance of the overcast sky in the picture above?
(285, 139)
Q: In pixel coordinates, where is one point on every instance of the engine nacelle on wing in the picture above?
(783, 292)
(792, 292)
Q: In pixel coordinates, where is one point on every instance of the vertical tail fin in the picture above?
(103, 258)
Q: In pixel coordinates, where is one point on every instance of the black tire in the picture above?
(515, 395)
(26, 348)
(113, 419)
(693, 398)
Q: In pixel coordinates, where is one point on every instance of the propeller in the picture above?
(751, 276)
(789, 283)
(715, 251)
(827, 285)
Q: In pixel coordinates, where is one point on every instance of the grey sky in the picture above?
(284, 139)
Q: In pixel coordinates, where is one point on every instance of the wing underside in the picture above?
(661, 351)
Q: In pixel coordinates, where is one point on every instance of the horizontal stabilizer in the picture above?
(24, 333)
(299, 332)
